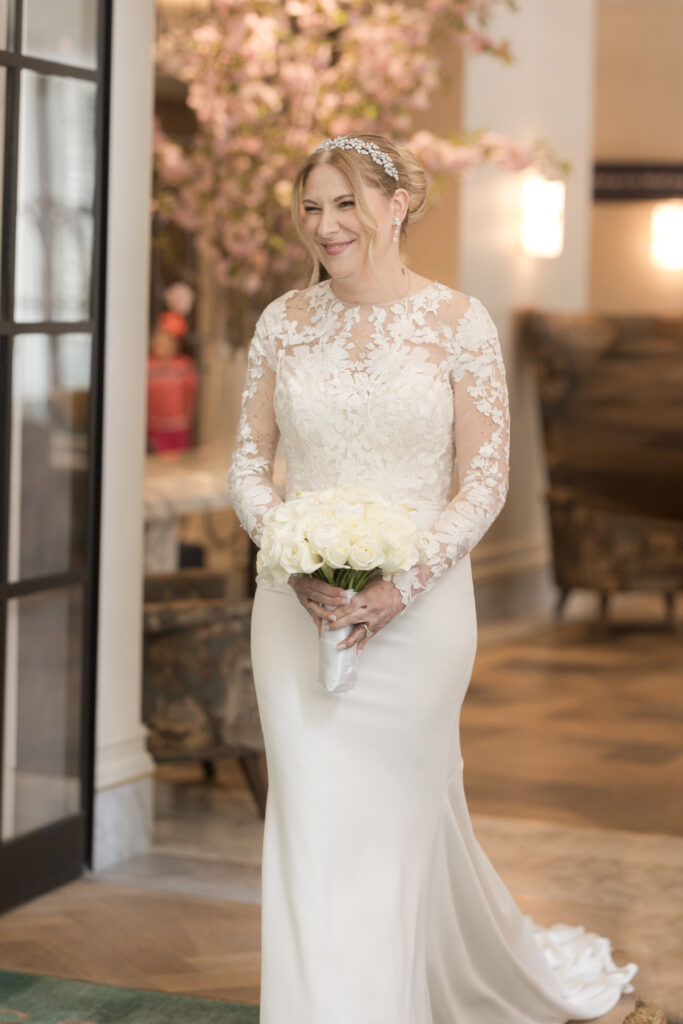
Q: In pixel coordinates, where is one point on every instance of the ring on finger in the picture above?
(368, 631)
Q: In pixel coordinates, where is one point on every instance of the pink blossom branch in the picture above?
(266, 81)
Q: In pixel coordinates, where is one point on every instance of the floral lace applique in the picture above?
(250, 476)
(383, 397)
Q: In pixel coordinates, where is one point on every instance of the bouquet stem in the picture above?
(347, 579)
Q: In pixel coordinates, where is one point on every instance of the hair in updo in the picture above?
(361, 170)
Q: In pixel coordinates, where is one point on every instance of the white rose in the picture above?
(336, 554)
(401, 557)
(270, 574)
(297, 557)
(298, 528)
(288, 511)
(354, 527)
(271, 547)
(366, 553)
(397, 528)
(323, 531)
(345, 509)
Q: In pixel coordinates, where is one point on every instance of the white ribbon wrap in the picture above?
(337, 669)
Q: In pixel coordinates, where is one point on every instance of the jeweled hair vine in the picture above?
(361, 146)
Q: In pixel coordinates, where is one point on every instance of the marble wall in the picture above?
(122, 822)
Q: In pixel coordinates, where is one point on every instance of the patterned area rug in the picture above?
(39, 1000)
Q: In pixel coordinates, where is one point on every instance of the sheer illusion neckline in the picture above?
(376, 305)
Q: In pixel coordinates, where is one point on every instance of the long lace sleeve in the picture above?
(482, 445)
(250, 478)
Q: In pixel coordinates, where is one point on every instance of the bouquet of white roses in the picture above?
(342, 535)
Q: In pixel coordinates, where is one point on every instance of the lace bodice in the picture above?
(385, 397)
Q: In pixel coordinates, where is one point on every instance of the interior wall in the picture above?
(547, 93)
(623, 280)
(638, 85)
(638, 119)
(431, 247)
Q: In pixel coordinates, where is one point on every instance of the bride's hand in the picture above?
(377, 604)
(313, 593)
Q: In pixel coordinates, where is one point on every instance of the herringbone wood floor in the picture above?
(118, 936)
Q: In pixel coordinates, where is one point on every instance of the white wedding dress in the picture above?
(379, 906)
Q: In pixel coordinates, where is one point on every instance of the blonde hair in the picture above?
(360, 170)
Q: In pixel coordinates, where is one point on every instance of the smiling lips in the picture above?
(334, 248)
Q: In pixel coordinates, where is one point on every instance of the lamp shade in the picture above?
(666, 235)
(542, 225)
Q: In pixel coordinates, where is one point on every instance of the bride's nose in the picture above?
(328, 223)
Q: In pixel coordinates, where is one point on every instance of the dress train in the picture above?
(487, 961)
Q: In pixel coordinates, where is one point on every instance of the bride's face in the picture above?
(333, 228)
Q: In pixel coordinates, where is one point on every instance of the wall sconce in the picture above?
(542, 227)
(666, 236)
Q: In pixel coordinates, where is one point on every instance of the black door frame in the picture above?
(38, 861)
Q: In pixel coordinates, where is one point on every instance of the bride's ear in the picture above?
(399, 203)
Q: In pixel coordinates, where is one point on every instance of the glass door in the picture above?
(53, 119)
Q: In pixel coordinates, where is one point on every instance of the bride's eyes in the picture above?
(342, 205)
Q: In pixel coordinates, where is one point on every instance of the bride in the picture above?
(379, 906)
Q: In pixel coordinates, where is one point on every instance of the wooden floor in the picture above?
(572, 747)
(120, 936)
(573, 725)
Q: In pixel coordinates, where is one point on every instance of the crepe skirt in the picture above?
(378, 904)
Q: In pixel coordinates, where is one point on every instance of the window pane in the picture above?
(57, 159)
(65, 31)
(42, 728)
(49, 453)
(6, 24)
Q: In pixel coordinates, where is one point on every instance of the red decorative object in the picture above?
(172, 381)
(174, 323)
(171, 402)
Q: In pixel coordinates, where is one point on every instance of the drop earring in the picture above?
(397, 227)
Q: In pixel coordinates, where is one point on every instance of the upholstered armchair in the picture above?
(199, 701)
(611, 398)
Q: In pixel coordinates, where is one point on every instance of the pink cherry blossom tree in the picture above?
(268, 80)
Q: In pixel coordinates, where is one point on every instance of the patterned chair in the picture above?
(611, 396)
(199, 701)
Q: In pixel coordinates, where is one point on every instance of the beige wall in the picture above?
(639, 84)
(622, 278)
(546, 93)
(638, 118)
(432, 247)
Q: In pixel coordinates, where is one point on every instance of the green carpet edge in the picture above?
(198, 1001)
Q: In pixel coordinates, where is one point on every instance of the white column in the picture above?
(547, 93)
(123, 768)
